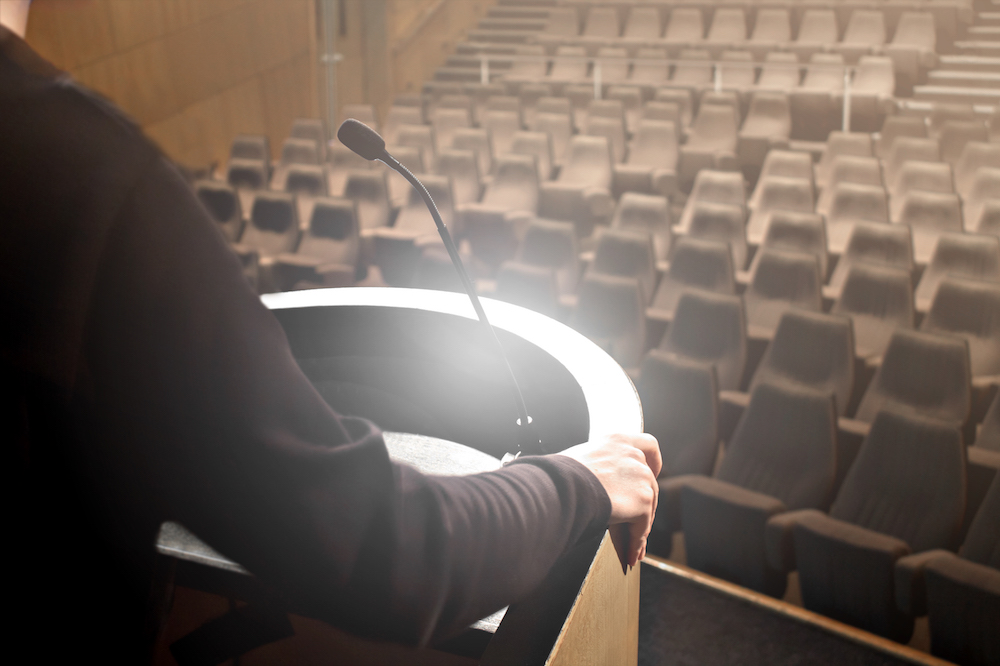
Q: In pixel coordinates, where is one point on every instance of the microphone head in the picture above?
(362, 139)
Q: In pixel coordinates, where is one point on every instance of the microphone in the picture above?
(367, 143)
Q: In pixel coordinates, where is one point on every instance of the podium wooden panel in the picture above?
(417, 361)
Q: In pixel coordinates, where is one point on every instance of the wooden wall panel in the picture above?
(193, 73)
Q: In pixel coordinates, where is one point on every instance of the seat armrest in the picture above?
(965, 573)
(778, 543)
(733, 494)
(911, 593)
(832, 529)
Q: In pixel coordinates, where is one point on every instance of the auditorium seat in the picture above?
(648, 214)
(305, 180)
(929, 214)
(780, 71)
(814, 111)
(850, 204)
(563, 22)
(601, 24)
(715, 187)
(328, 252)
(969, 309)
(711, 144)
(864, 33)
(435, 270)
(476, 139)
(529, 94)
(559, 127)
(796, 232)
(422, 137)
(848, 169)
(300, 151)
(818, 30)
(728, 29)
(966, 256)
(782, 457)
(904, 493)
(722, 223)
(530, 66)
(537, 145)
(984, 187)
(651, 166)
(274, 224)
(694, 265)
(783, 163)
(872, 92)
(955, 134)
(778, 193)
(643, 24)
(491, 97)
(411, 157)
(462, 168)
(581, 194)
(781, 280)
(551, 244)
(879, 300)
(975, 155)
(838, 143)
(649, 70)
(501, 125)
(909, 148)
(223, 205)
(569, 65)
(630, 98)
(879, 244)
(989, 218)
(532, 287)
(370, 191)
(494, 225)
(692, 70)
(445, 121)
(614, 65)
(610, 311)
(684, 27)
(342, 160)
(613, 129)
(767, 126)
(736, 72)
(710, 328)
(913, 49)
(627, 253)
(960, 593)
(918, 175)
(943, 112)
(772, 30)
(679, 408)
(250, 147)
(896, 126)
(246, 176)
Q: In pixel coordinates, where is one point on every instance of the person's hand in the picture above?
(627, 466)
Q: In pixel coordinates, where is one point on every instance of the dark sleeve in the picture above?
(197, 390)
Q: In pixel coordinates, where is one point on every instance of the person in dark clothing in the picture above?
(144, 381)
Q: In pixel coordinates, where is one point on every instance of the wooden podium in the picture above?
(418, 362)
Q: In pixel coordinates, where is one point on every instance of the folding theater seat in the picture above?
(462, 168)
(736, 73)
(767, 126)
(975, 155)
(300, 151)
(530, 66)
(445, 121)
(858, 144)
(967, 256)
(311, 129)
(613, 64)
(781, 280)
(569, 66)
(502, 125)
(537, 145)
(476, 139)
(872, 92)
(643, 24)
(782, 457)
(985, 187)
(549, 244)
(904, 493)
(679, 409)
(223, 205)
(780, 71)
(849, 169)
(896, 126)
(370, 191)
(600, 27)
(906, 149)
(772, 29)
(960, 593)
(247, 176)
(818, 30)
(955, 134)
(865, 32)
(329, 250)
(969, 309)
(682, 98)
(944, 112)
(879, 244)
(711, 144)
(411, 157)
(929, 214)
(724, 187)
(613, 129)
(850, 204)
(711, 329)
(651, 166)
(814, 110)
(627, 253)
(273, 227)
(778, 193)
(692, 71)
(250, 147)
(532, 287)
(879, 300)
(631, 101)
(559, 127)
(913, 49)
(648, 214)
(422, 137)
(494, 225)
(694, 265)
(581, 194)
(684, 27)
(728, 29)
(784, 164)
(796, 232)
(649, 70)
(809, 350)
(917, 175)
(722, 223)
(491, 97)
(397, 250)
(610, 311)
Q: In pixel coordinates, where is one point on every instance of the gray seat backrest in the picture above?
(879, 299)
(781, 281)
(532, 287)
(610, 311)
(710, 328)
(680, 408)
(908, 481)
(537, 145)
(463, 169)
(250, 147)
(811, 350)
(881, 244)
(695, 264)
(247, 174)
(371, 193)
(588, 162)
(307, 179)
(785, 446)
(959, 255)
(515, 185)
(627, 253)
(969, 309)
(647, 213)
(723, 223)
(223, 206)
(921, 374)
(797, 232)
(300, 151)
(274, 224)
(333, 232)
